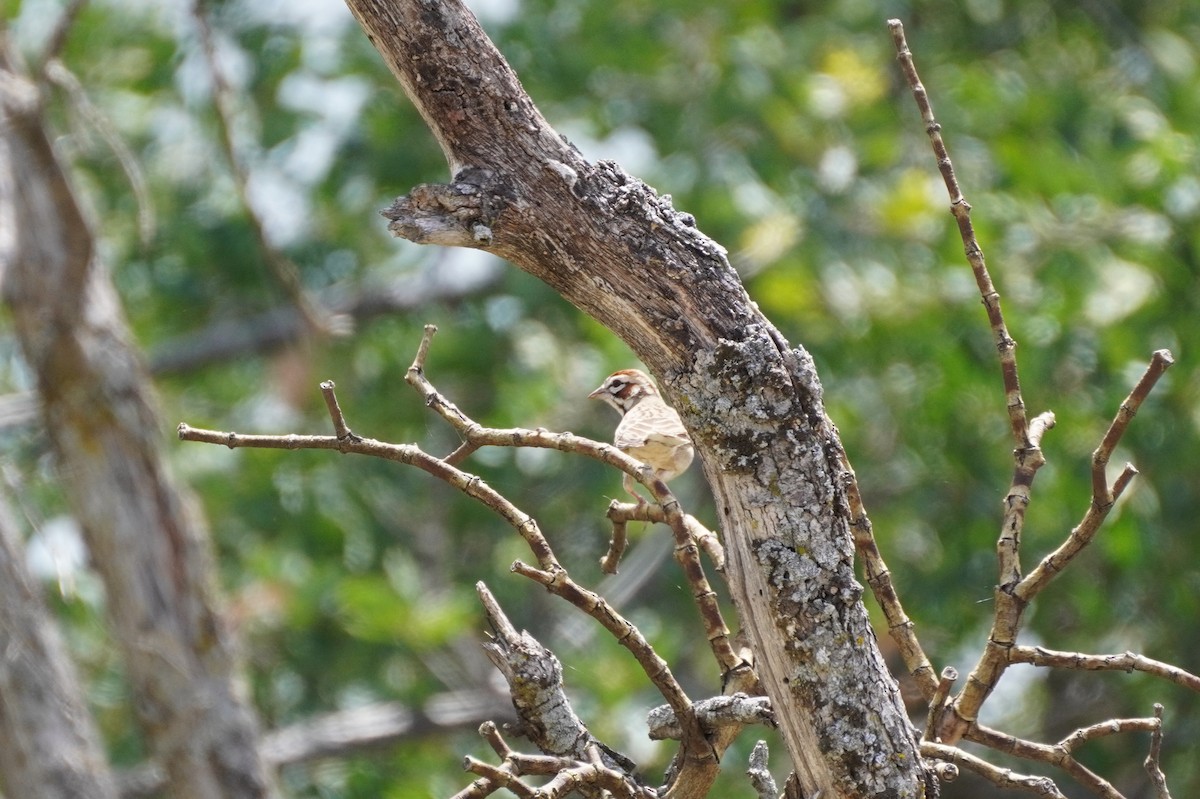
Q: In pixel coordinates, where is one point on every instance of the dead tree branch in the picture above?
(1015, 590)
(697, 756)
(1000, 777)
(751, 401)
(535, 682)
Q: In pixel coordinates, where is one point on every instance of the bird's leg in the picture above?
(628, 484)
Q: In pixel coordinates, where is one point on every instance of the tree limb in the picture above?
(751, 401)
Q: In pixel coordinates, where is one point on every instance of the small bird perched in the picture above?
(650, 429)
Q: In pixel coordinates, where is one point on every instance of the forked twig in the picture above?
(621, 513)
(1103, 498)
(1015, 590)
(1000, 777)
(1061, 755)
(1153, 763)
(475, 435)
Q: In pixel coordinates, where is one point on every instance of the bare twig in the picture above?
(686, 551)
(1104, 729)
(1000, 777)
(340, 428)
(1127, 661)
(493, 779)
(937, 703)
(1102, 498)
(1153, 763)
(57, 73)
(879, 578)
(1005, 345)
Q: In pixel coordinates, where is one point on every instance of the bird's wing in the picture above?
(638, 430)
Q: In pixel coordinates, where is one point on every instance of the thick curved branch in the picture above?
(752, 403)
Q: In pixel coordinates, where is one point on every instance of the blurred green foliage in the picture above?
(785, 128)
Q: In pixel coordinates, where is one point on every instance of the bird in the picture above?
(650, 430)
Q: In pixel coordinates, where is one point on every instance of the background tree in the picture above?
(781, 132)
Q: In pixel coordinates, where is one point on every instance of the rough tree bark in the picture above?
(49, 747)
(622, 254)
(150, 548)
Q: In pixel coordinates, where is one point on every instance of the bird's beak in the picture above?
(597, 394)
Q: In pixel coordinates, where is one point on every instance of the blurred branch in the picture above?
(280, 326)
(345, 733)
(58, 35)
(57, 73)
(49, 745)
(281, 267)
(145, 539)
